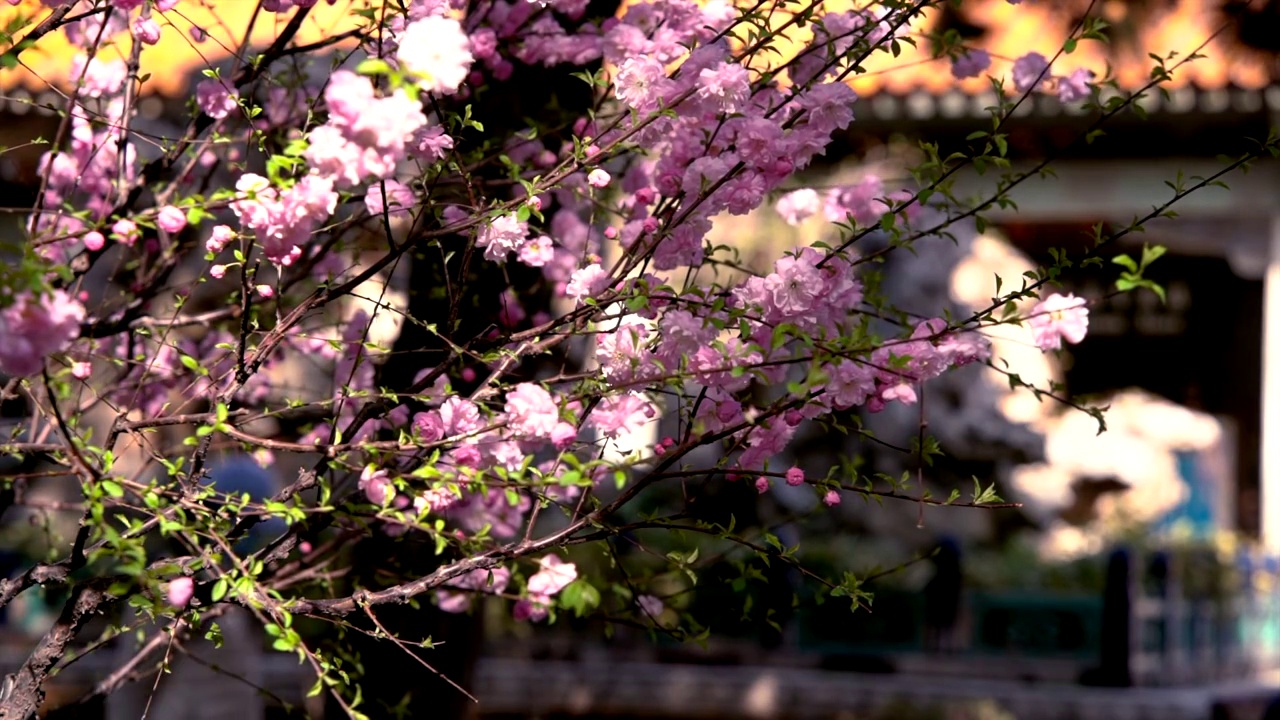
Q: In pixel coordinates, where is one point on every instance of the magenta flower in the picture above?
(1058, 318)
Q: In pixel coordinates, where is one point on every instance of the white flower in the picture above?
(436, 51)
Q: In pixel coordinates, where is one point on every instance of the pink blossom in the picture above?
(180, 591)
(623, 354)
(640, 81)
(795, 476)
(435, 500)
(537, 252)
(587, 282)
(727, 86)
(219, 238)
(563, 435)
(460, 416)
(100, 77)
(81, 370)
(93, 241)
(125, 232)
(794, 287)
(376, 485)
(365, 136)
(1058, 318)
(531, 411)
(428, 426)
(598, 178)
(501, 237)
(171, 219)
(265, 291)
(762, 484)
(964, 348)
(620, 415)
(532, 609)
(146, 30)
(402, 198)
(484, 42)
(430, 143)
(902, 392)
(216, 98)
(437, 52)
(799, 205)
(554, 575)
(831, 499)
(36, 326)
(217, 272)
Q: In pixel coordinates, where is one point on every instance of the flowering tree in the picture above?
(228, 290)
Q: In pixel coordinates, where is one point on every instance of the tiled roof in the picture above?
(1010, 31)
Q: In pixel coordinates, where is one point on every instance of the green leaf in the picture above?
(112, 488)
(580, 596)
(219, 590)
(373, 66)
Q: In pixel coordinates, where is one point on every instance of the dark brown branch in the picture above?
(25, 688)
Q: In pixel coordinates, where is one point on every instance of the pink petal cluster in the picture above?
(35, 326)
(436, 52)
(365, 135)
(1058, 318)
(501, 237)
(283, 221)
(217, 98)
(553, 576)
(621, 415)
(532, 412)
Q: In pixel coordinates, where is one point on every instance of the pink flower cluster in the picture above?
(553, 576)
(283, 220)
(366, 135)
(35, 326)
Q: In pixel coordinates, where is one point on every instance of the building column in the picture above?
(1269, 478)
